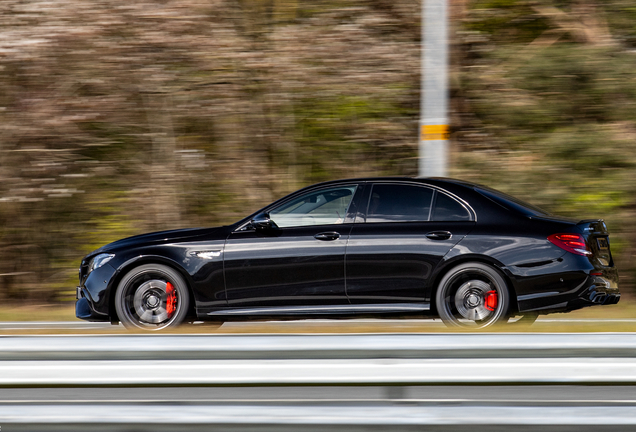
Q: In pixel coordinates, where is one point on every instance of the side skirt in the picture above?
(325, 310)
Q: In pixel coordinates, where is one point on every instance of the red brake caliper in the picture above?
(171, 301)
(490, 300)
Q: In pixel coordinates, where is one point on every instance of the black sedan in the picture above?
(375, 247)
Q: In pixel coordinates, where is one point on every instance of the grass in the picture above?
(38, 313)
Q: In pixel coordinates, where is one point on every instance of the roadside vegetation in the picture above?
(122, 118)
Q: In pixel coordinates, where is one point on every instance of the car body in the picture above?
(372, 247)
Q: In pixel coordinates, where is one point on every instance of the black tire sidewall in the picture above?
(484, 269)
(170, 275)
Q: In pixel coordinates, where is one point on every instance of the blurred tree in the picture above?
(120, 118)
(548, 96)
(123, 118)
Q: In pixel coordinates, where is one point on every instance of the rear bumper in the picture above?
(601, 291)
(595, 290)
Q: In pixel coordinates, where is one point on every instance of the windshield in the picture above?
(511, 203)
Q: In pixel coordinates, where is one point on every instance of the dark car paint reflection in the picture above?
(367, 247)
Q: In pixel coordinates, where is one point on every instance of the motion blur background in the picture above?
(119, 118)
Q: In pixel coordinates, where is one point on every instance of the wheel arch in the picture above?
(463, 259)
(137, 261)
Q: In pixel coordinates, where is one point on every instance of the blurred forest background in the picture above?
(119, 118)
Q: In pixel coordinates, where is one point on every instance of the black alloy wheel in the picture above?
(472, 296)
(152, 297)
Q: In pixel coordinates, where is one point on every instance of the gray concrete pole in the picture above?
(433, 133)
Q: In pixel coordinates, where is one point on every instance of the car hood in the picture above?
(158, 237)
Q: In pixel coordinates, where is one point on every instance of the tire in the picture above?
(472, 296)
(152, 297)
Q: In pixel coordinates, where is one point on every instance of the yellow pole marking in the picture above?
(434, 132)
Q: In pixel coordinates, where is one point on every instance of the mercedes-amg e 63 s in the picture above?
(375, 247)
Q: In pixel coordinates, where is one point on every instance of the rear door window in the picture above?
(449, 209)
(399, 203)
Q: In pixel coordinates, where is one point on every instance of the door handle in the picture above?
(439, 235)
(327, 236)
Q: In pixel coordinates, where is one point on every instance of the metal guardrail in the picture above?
(325, 360)
(317, 359)
(318, 372)
(313, 418)
(305, 346)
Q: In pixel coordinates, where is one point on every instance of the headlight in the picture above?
(99, 260)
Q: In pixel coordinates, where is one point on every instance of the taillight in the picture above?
(574, 243)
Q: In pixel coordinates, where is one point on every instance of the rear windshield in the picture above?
(511, 203)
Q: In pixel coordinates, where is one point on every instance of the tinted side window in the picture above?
(399, 203)
(447, 209)
(323, 207)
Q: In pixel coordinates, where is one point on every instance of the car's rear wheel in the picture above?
(472, 296)
(152, 297)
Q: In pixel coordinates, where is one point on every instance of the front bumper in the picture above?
(92, 296)
(84, 310)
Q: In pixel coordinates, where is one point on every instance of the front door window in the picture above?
(324, 207)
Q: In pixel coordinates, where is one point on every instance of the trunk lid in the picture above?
(596, 235)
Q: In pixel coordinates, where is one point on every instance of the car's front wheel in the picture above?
(152, 297)
(472, 295)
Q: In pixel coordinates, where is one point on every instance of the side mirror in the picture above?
(262, 222)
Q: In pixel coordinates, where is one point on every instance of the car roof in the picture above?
(436, 181)
(466, 191)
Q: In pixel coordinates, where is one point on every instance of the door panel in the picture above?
(392, 262)
(294, 254)
(293, 267)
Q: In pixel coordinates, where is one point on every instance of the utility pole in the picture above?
(433, 136)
